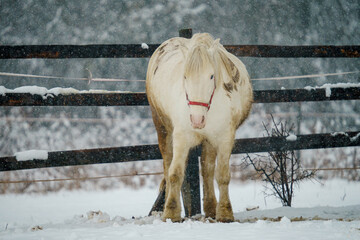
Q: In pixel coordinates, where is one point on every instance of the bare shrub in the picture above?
(281, 169)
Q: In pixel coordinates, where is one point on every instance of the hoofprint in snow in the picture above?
(321, 211)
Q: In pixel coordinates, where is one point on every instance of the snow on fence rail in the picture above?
(191, 188)
(139, 99)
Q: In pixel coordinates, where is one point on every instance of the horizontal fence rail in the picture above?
(271, 51)
(138, 51)
(139, 99)
(77, 51)
(152, 152)
(85, 157)
(78, 99)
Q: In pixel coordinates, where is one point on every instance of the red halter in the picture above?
(202, 104)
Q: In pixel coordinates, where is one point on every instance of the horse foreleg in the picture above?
(208, 157)
(175, 178)
(224, 211)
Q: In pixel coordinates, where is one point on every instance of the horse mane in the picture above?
(203, 38)
(204, 51)
(198, 56)
(198, 59)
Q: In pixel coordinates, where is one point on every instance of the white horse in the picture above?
(199, 94)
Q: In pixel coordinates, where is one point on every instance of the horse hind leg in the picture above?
(165, 145)
(208, 157)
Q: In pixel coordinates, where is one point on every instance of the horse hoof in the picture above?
(174, 220)
(172, 215)
(224, 213)
(225, 219)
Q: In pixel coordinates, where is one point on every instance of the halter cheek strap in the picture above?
(202, 104)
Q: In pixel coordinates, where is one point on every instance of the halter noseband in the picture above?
(202, 104)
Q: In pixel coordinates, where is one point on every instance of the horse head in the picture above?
(199, 84)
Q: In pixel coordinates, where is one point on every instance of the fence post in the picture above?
(191, 186)
(185, 33)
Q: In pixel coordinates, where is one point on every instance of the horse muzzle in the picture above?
(197, 121)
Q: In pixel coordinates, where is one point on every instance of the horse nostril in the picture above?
(197, 121)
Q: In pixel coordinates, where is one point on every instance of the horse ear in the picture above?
(184, 50)
(214, 46)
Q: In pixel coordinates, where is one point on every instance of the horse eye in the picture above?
(212, 77)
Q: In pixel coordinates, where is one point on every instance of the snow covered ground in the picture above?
(331, 210)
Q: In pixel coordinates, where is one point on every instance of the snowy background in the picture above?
(49, 210)
(304, 22)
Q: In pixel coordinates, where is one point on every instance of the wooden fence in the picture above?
(191, 186)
